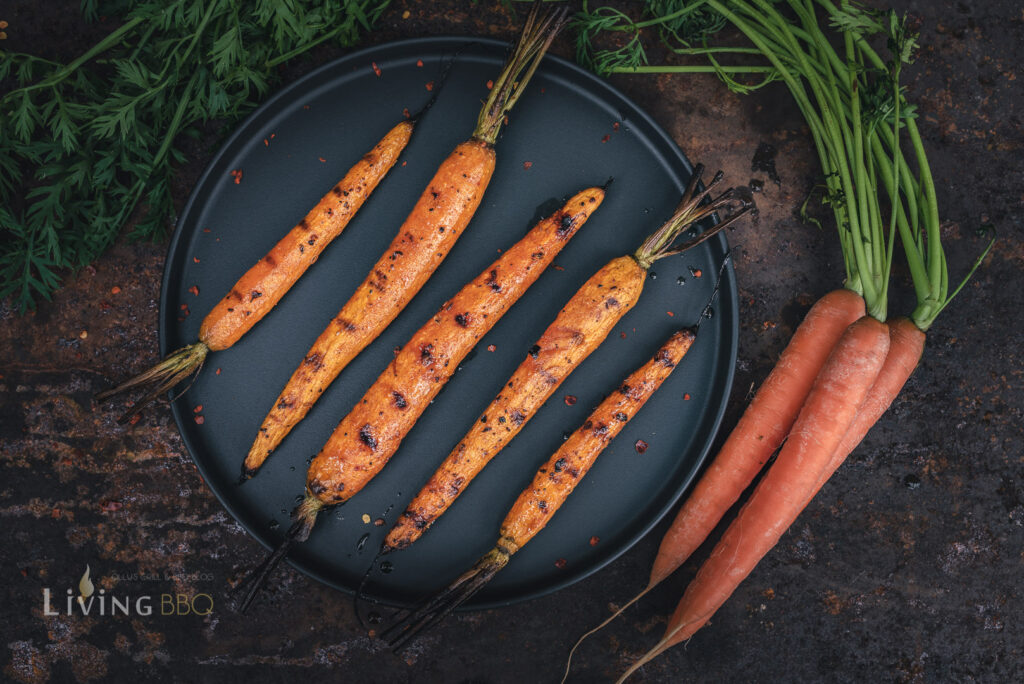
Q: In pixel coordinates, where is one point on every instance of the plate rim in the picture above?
(455, 43)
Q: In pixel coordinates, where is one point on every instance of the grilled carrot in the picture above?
(424, 240)
(263, 285)
(552, 484)
(371, 433)
(579, 329)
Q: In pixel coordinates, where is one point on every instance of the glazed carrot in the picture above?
(424, 240)
(579, 329)
(552, 484)
(830, 408)
(263, 285)
(906, 345)
(763, 427)
(370, 434)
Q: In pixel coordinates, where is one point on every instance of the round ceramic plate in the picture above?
(569, 131)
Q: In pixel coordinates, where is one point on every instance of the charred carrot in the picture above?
(551, 486)
(263, 285)
(424, 240)
(579, 329)
(830, 408)
(370, 434)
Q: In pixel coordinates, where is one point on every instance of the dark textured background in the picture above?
(904, 568)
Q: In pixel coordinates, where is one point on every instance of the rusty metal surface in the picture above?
(906, 567)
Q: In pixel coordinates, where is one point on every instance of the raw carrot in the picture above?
(370, 434)
(265, 283)
(424, 240)
(763, 427)
(830, 408)
(906, 344)
(551, 486)
(579, 329)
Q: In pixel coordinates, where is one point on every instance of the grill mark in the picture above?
(367, 438)
(400, 401)
(316, 360)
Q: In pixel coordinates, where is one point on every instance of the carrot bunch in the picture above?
(847, 361)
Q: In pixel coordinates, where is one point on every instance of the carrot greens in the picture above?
(853, 104)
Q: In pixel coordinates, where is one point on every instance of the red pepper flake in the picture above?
(266, 143)
(686, 397)
(134, 419)
(594, 540)
(115, 290)
(491, 348)
(697, 273)
(490, 84)
(430, 85)
(237, 175)
(376, 69)
(406, 113)
(419, 62)
(273, 135)
(641, 446)
(622, 335)
(322, 160)
(541, 90)
(606, 138)
(194, 290)
(198, 409)
(199, 420)
(559, 268)
(184, 307)
(670, 313)
(569, 400)
(379, 522)
(615, 126)
(527, 165)
(109, 506)
(217, 372)
(560, 563)
(206, 230)
(305, 106)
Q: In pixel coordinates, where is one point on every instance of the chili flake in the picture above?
(641, 446)
(490, 84)
(430, 85)
(237, 175)
(569, 400)
(527, 165)
(560, 563)
(376, 69)
(606, 138)
(491, 348)
(198, 409)
(200, 420)
(194, 290)
(594, 540)
(115, 290)
(419, 62)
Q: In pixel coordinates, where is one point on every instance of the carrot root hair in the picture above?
(303, 518)
(162, 377)
(595, 630)
(406, 624)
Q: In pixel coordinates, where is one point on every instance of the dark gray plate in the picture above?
(565, 127)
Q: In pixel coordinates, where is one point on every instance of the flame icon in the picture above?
(85, 587)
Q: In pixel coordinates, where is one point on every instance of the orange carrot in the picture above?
(551, 486)
(265, 283)
(830, 408)
(580, 328)
(906, 344)
(763, 427)
(439, 218)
